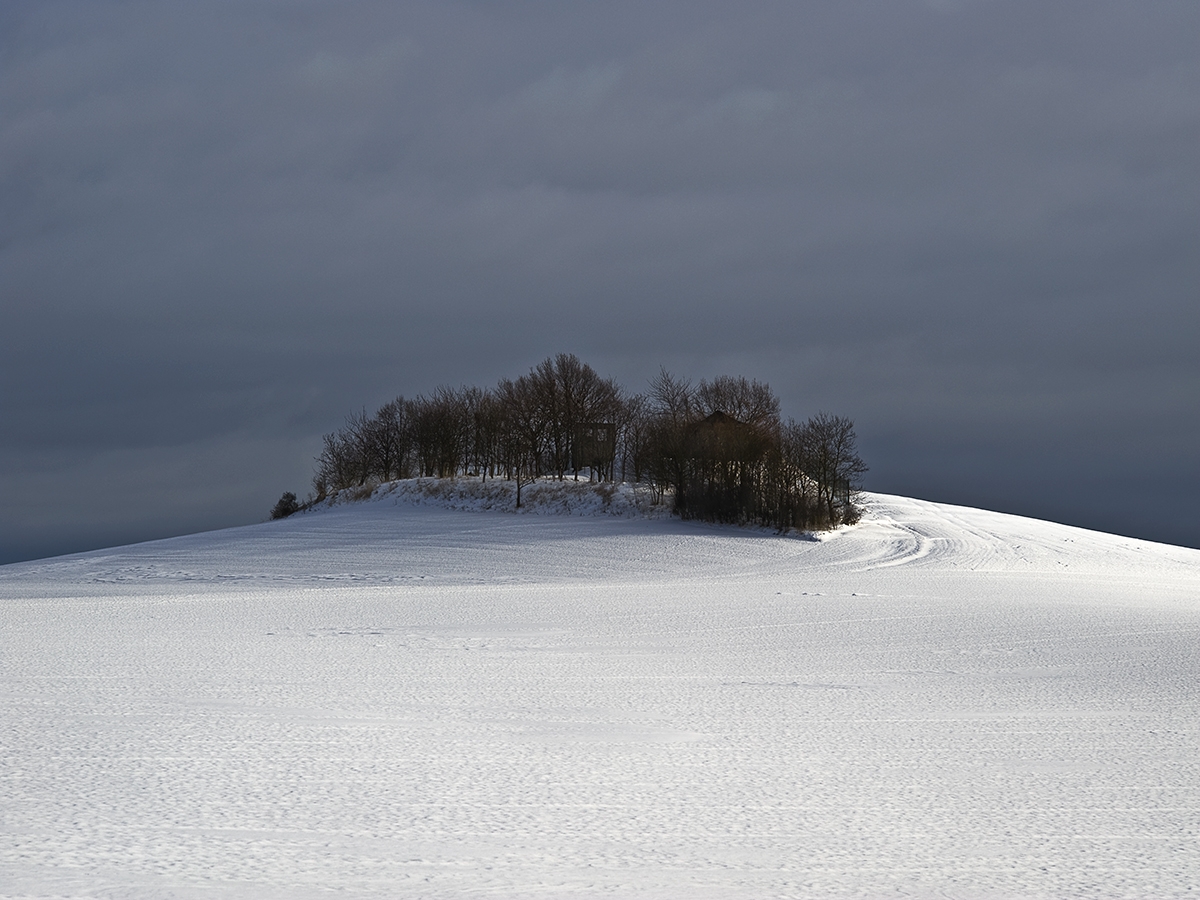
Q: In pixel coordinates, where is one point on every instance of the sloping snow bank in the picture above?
(387, 699)
(546, 496)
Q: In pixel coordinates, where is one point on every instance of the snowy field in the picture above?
(397, 700)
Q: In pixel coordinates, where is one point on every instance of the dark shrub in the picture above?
(285, 507)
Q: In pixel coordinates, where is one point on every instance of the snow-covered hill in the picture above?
(392, 698)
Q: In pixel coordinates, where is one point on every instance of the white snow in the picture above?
(392, 699)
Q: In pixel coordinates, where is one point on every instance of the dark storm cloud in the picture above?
(972, 226)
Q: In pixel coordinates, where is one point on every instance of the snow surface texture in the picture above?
(391, 699)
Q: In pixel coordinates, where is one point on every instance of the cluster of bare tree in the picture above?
(724, 452)
(719, 447)
(523, 429)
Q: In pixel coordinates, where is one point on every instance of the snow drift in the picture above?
(395, 699)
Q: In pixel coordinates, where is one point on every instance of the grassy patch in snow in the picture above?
(546, 496)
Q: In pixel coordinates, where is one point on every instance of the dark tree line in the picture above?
(719, 447)
(722, 449)
(522, 429)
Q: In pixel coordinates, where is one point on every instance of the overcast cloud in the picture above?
(973, 227)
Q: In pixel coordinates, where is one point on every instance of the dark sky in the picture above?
(973, 227)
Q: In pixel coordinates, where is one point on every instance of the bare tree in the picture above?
(828, 454)
(390, 441)
(751, 402)
(338, 466)
(524, 430)
(571, 394)
(441, 432)
(486, 430)
(634, 425)
(673, 409)
(672, 398)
